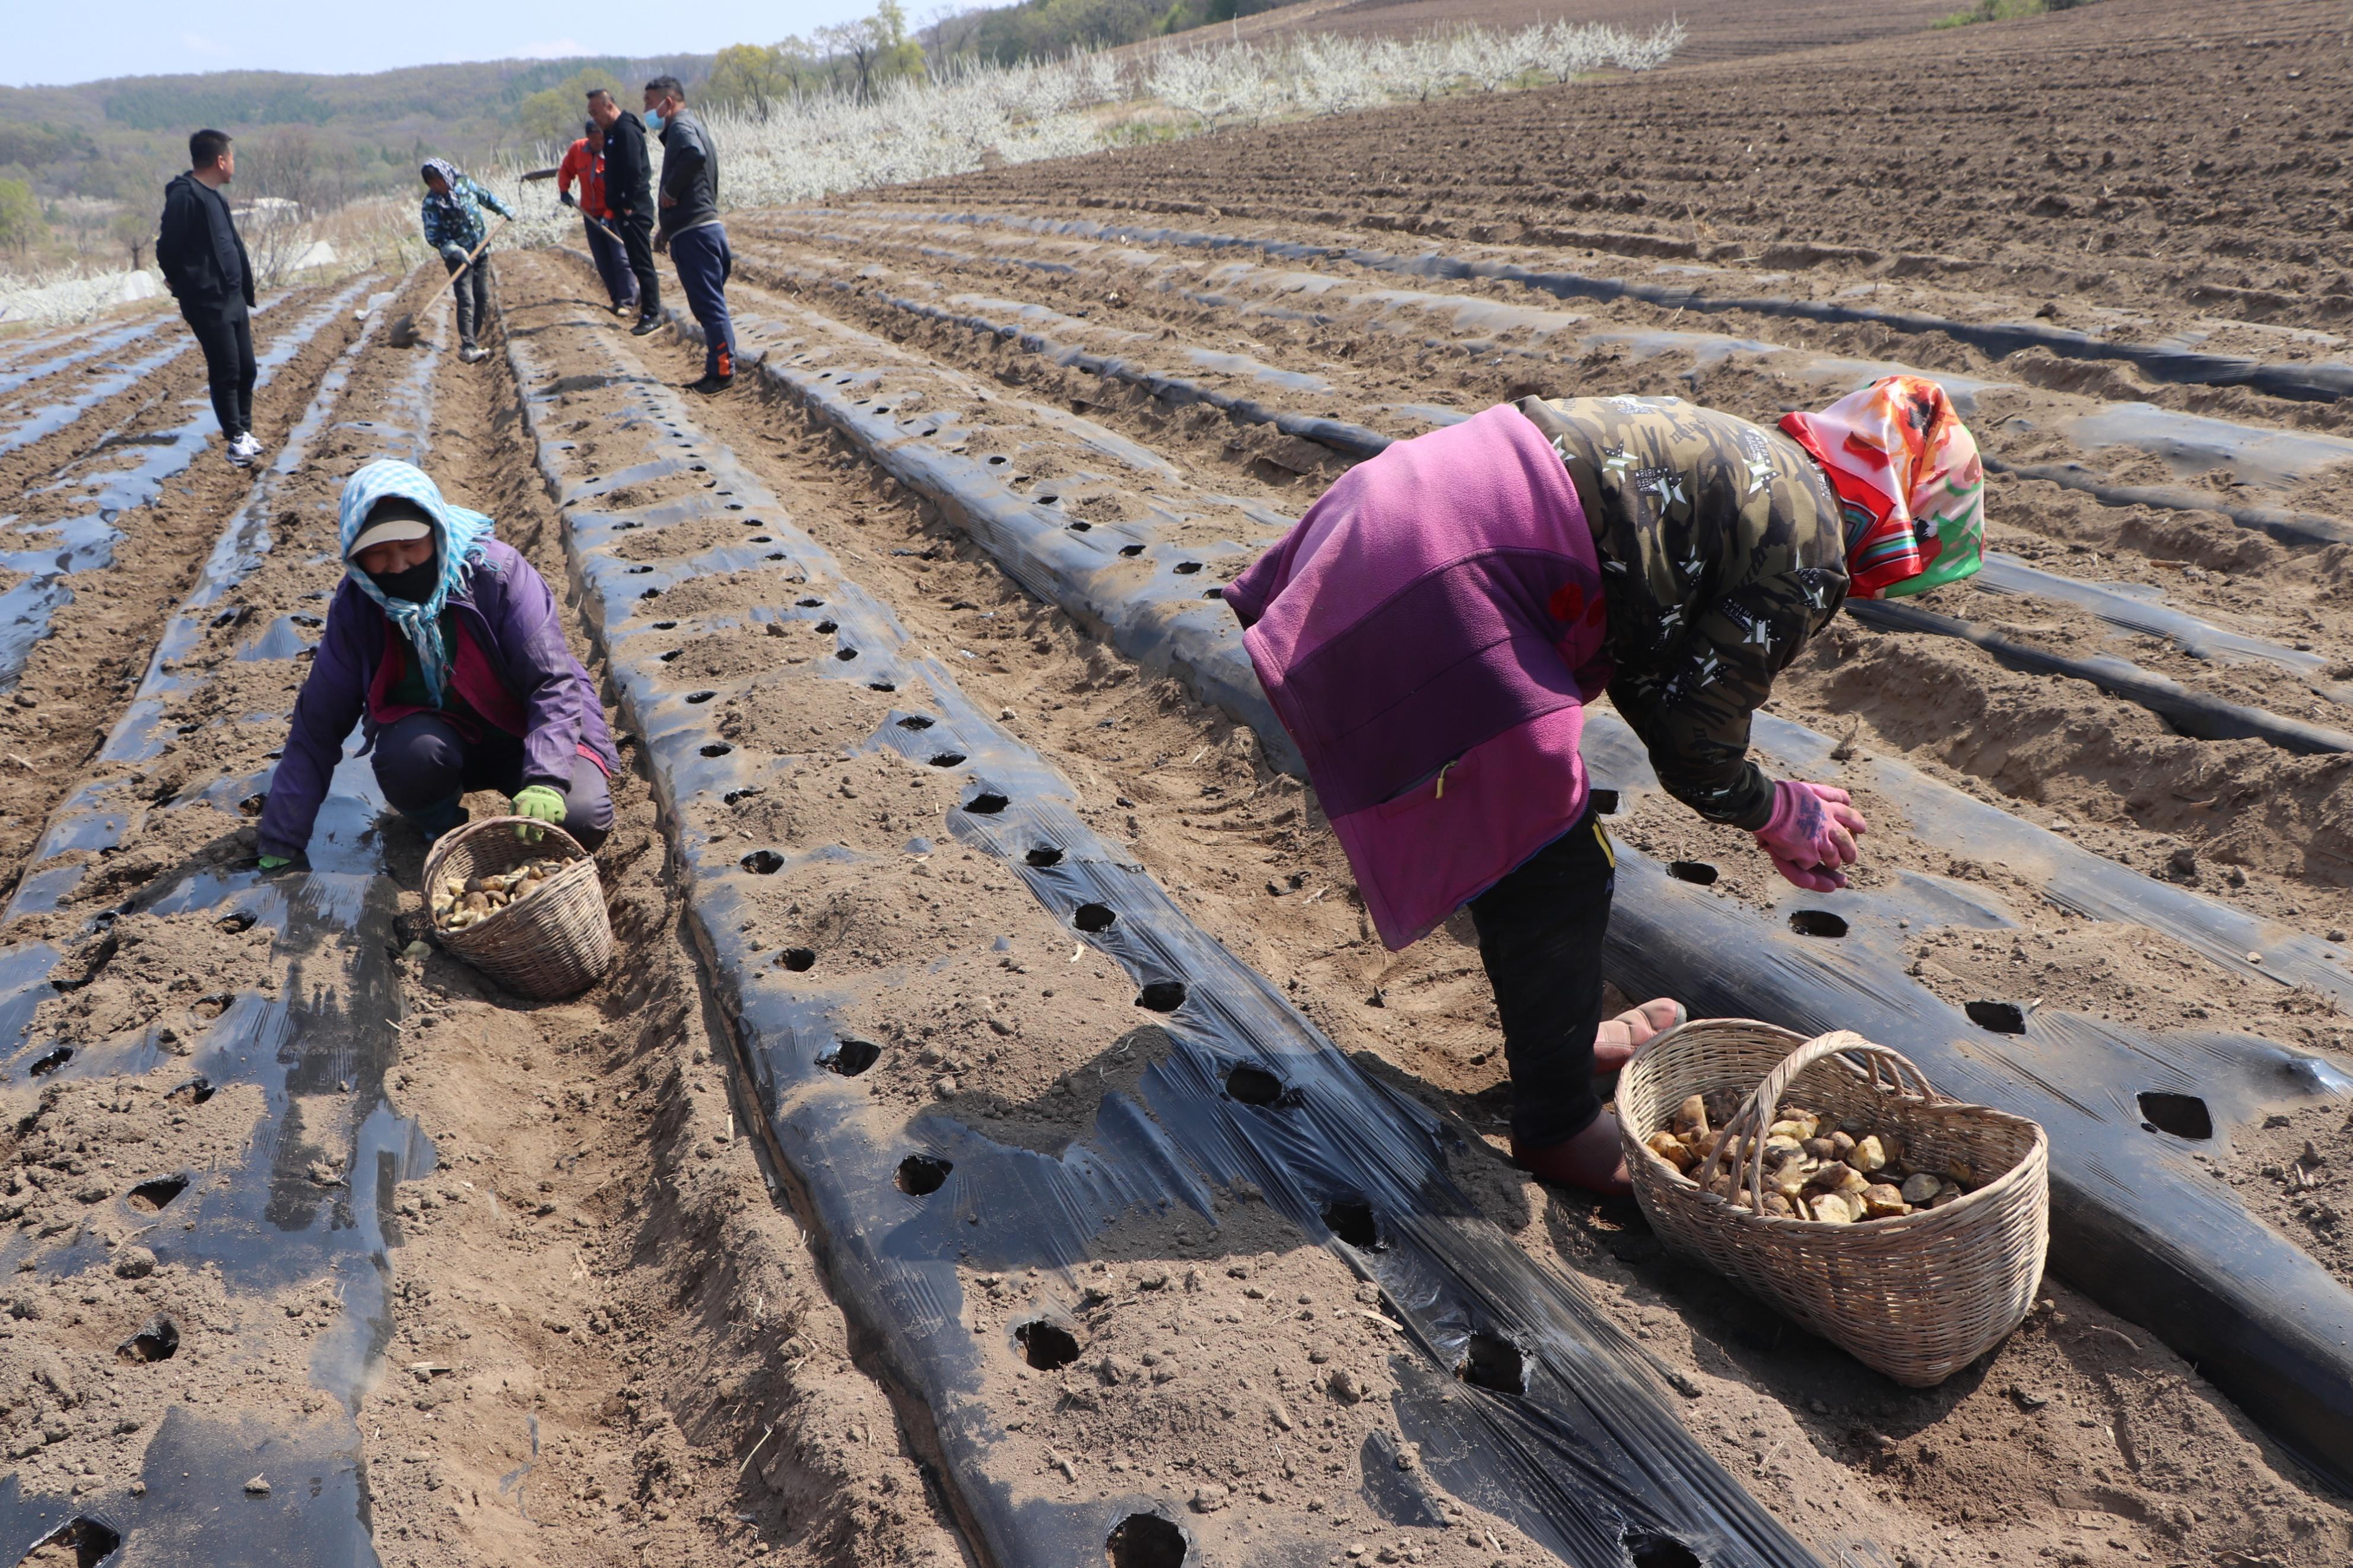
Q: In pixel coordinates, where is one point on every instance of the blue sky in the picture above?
(55, 44)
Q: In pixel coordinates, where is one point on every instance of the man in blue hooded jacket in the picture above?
(455, 227)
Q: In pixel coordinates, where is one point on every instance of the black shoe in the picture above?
(646, 324)
(710, 383)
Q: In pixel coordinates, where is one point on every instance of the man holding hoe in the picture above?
(584, 162)
(455, 227)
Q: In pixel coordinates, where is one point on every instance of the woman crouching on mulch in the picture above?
(447, 648)
(1430, 632)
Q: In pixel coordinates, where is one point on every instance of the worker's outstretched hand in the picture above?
(1810, 835)
(565, 197)
(540, 802)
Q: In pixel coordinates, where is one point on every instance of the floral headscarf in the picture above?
(458, 539)
(1909, 482)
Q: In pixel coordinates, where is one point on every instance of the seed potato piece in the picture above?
(1950, 1193)
(1919, 1188)
(1779, 1206)
(1841, 1145)
(1689, 1118)
(1881, 1201)
(1832, 1208)
(1868, 1155)
(1670, 1149)
(1791, 1183)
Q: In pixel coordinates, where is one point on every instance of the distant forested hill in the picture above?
(120, 139)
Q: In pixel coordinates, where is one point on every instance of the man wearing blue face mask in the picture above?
(691, 230)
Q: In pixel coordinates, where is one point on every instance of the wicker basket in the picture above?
(553, 945)
(1917, 1296)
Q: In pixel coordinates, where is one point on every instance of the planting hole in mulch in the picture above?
(1145, 1540)
(1352, 1221)
(92, 1542)
(916, 721)
(2001, 1017)
(851, 1058)
(2183, 1115)
(988, 802)
(1697, 872)
(947, 759)
(1043, 855)
(1162, 996)
(799, 960)
(1646, 1549)
(159, 1340)
(764, 862)
(155, 1195)
(1494, 1362)
(1254, 1086)
(1046, 1345)
(1817, 923)
(1092, 918)
(920, 1175)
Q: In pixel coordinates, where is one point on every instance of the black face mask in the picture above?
(414, 585)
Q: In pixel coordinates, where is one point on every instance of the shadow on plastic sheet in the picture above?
(313, 1199)
(1579, 1450)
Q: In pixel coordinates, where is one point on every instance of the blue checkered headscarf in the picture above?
(458, 539)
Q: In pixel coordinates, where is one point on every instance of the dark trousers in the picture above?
(1540, 932)
(638, 244)
(225, 331)
(612, 260)
(474, 292)
(704, 262)
(422, 765)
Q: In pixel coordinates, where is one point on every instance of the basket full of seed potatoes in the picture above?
(520, 901)
(1828, 1177)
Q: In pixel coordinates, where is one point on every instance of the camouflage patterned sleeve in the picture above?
(1694, 719)
(1721, 554)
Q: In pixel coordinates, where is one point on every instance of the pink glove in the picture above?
(1811, 834)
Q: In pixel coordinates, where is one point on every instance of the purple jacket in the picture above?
(1430, 633)
(517, 667)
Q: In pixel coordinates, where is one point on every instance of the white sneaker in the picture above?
(472, 354)
(250, 444)
(242, 451)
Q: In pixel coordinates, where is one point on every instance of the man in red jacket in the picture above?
(584, 162)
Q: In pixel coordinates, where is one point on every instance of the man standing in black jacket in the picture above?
(629, 193)
(691, 230)
(206, 266)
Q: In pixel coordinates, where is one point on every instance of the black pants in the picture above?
(474, 292)
(225, 331)
(422, 765)
(638, 239)
(1540, 932)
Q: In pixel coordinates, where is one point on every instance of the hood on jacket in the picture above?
(459, 536)
(449, 177)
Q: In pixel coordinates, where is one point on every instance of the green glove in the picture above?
(276, 862)
(540, 801)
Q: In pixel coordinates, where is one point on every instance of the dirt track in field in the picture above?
(612, 1342)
